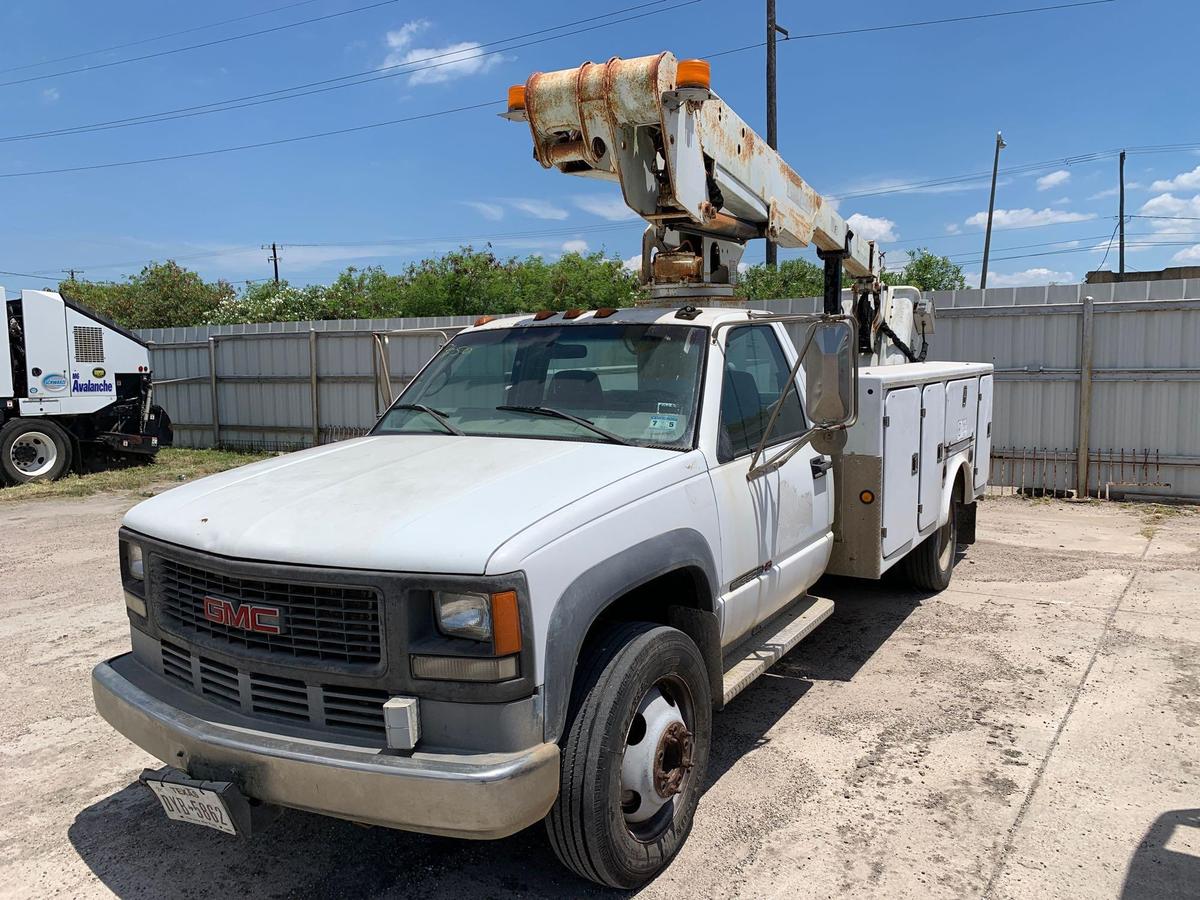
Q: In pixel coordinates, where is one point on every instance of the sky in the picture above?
(869, 118)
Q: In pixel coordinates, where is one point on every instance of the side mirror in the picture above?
(829, 375)
(829, 357)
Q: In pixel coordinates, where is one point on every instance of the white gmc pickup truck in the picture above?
(523, 595)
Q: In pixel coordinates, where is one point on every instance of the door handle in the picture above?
(820, 466)
(914, 464)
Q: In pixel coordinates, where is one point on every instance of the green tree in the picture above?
(271, 302)
(929, 272)
(160, 296)
(791, 279)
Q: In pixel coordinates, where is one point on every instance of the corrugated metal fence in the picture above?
(1125, 365)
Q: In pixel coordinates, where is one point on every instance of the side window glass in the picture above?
(756, 372)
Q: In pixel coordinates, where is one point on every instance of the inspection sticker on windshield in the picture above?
(664, 423)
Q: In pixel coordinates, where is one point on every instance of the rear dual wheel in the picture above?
(33, 450)
(930, 566)
(634, 755)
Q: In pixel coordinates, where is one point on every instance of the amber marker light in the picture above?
(516, 97)
(693, 73)
(867, 497)
(506, 623)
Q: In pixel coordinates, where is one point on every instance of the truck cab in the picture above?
(522, 596)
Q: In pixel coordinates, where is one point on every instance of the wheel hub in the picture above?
(33, 453)
(672, 760)
(658, 755)
(23, 454)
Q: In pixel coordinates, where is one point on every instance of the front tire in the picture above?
(634, 755)
(33, 450)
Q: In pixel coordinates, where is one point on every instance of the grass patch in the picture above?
(170, 465)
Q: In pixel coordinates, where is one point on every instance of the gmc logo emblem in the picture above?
(247, 616)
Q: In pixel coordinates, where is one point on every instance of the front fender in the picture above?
(595, 589)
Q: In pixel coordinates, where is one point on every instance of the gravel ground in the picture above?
(1032, 732)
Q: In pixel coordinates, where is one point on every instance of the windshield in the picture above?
(637, 383)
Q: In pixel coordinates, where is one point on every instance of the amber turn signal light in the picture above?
(506, 623)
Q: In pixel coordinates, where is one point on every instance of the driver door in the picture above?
(775, 527)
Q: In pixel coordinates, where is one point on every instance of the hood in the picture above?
(405, 503)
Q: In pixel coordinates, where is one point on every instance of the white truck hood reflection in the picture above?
(408, 503)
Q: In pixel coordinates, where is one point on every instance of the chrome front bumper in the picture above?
(467, 795)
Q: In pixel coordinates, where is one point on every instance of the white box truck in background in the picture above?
(75, 390)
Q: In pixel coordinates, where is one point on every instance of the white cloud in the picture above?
(953, 228)
(633, 264)
(870, 228)
(434, 65)
(611, 208)
(493, 211)
(1188, 255)
(539, 209)
(1108, 192)
(1038, 276)
(743, 268)
(403, 36)
(1170, 205)
(1019, 218)
(1185, 181)
(575, 246)
(50, 95)
(1061, 201)
(1053, 180)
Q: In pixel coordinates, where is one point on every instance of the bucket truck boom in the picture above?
(706, 184)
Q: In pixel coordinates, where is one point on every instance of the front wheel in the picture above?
(634, 755)
(33, 450)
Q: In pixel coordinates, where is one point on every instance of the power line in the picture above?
(212, 43)
(219, 150)
(922, 24)
(367, 77)
(158, 37)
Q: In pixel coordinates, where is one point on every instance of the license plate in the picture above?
(184, 803)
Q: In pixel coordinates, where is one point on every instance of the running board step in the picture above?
(772, 642)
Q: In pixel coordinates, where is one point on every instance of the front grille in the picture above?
(352, 710)
(325, 622)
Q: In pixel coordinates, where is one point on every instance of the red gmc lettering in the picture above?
(263, 619)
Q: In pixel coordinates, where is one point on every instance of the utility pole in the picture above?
(1121, 212)
(274, 258)
(987, 238)
(74, 272)
(772, 128)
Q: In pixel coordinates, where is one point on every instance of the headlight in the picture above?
(464, 615)
(134, 562)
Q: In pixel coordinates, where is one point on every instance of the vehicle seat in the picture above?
(576, 389)
(740, 399)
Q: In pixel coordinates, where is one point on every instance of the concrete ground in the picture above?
(1032, 732)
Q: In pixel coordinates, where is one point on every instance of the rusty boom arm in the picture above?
(688, 164)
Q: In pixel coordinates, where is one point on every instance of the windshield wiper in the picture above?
(435, 414)
(578, 420)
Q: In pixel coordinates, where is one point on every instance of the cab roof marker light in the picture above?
(604, 312)
(543, 314)
(573, 313)
(483, 320)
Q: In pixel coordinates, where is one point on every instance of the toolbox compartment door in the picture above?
(933, 429)
(901, 454)
(983, 434)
